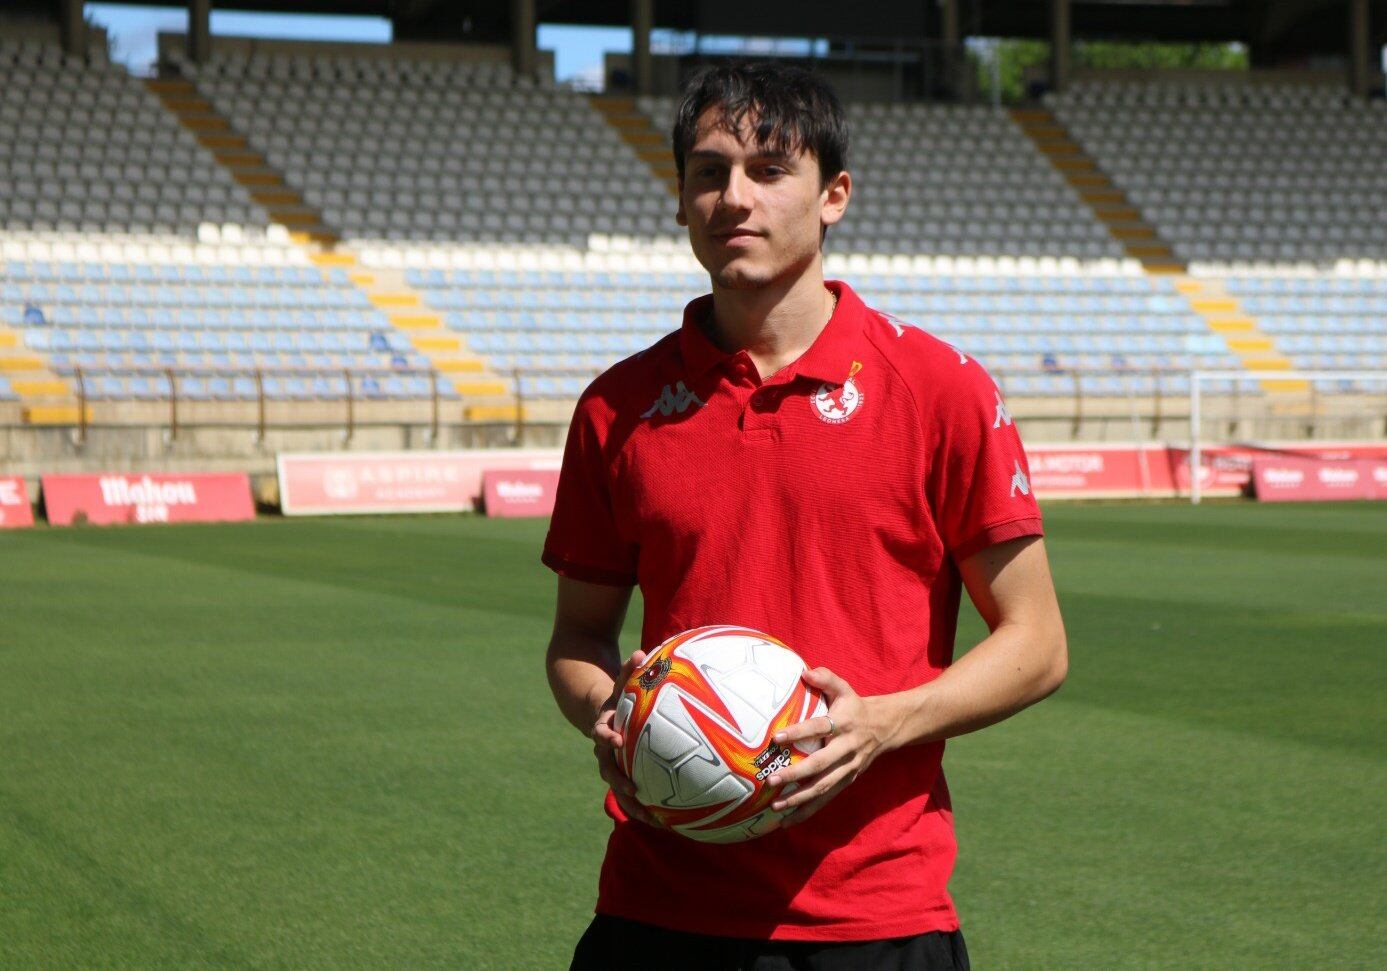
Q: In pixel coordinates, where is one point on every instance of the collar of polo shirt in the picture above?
(828, 359)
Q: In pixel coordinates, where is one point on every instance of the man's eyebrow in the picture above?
(762, 156)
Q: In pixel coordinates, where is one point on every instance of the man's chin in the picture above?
(739, 280)
(741, 274)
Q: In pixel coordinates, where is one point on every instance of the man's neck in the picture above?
(774, 324)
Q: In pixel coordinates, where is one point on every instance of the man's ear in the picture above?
(835, 198)
(680, 216)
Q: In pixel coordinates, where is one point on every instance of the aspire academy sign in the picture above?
(326, 483)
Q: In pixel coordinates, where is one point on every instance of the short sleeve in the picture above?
(979, 485)
(583, 541)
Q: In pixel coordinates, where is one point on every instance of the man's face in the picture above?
(753, 216)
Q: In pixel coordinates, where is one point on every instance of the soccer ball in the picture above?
(698, 717)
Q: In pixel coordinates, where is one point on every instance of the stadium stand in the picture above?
(1282, 235)
(1241, 173)
(85, 148)
(122, 325)
(532, 227)
(131, 253)
(1319, 321)
(558, 327)
(436, 150)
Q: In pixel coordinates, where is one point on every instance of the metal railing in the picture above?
(1145, 399)
(349, 397)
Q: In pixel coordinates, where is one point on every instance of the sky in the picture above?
(577, 50)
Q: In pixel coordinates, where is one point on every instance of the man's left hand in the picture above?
(860, 728)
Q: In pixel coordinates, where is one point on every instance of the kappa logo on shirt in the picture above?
(1019, 482)
(672, 400)
(1003, 412)
(894, 321)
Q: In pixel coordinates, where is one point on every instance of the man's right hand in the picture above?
(606, 740)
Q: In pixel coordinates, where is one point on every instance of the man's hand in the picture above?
(606, 740)
(861, 728)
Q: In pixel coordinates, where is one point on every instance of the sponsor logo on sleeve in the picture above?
(1003, 413)
(896, 323)
(1019, 482)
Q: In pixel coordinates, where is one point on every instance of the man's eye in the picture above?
(773, 170)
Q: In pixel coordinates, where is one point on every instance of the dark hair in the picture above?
(795, 111)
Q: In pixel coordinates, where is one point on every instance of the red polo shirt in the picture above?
(828, 505)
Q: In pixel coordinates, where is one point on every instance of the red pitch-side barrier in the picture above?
(177, 497)
(319, 484)
(1288, 478)
(520, 492)
(1134, 471)
(15, 510)
(386, 482)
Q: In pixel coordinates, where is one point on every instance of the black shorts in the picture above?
(616, 944)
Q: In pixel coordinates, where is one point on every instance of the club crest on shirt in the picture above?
(836, 405)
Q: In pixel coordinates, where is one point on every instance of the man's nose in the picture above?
(737, 194)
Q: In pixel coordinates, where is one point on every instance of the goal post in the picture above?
(1294, 404)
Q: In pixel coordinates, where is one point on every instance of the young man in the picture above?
(792, 461)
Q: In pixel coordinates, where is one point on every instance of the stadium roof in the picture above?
(1276, 31)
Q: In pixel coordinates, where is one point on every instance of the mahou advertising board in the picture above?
(330, 483)
(165, 497)
(15, 511)
(520, 492)
(1293, 478)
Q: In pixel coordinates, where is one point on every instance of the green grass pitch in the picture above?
(329, 744)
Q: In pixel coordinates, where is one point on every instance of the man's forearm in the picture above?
(1012, 668)
(582, 674)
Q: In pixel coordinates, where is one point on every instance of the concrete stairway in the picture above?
(1224, 315)
(638, 131)
(1107, 202)
(44, 397)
